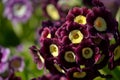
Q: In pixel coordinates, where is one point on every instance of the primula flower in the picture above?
(67, 57)
(8, 66)
(78, 15)
(16, 64)
(18, 10)
(101, 21)
(4, 52)
(50, 48)
(86, 52)
(72, 33)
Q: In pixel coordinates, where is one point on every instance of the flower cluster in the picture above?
(78, 48)
(8, 67)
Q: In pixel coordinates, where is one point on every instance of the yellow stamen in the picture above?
(80, 19)
(69, 56)
(54, 50)
(100, 24)
(87, 53)
(75, 36)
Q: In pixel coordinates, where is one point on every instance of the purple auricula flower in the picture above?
(4, 52)
(78, 15)
(101, 21)
(38, 59)
(16, 64)
(18, 10)
(86, 52)
(72, 33)
(52, 10)
(67, 57)
(50, 48)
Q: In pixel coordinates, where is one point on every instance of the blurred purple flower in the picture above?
(18, 10)
(16, 64)
(4, 52)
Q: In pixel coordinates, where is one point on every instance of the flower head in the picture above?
(18, 10)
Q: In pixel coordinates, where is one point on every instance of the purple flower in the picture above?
(4, 52)
(101, 21)
(16, 64)
(86, 53)
(37, 57)
(72, 33)
(78, 15)
(50, 48)
(18, 10)
(67, 57)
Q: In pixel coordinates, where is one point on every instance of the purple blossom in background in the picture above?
(17, 64)
(9, 66)
(4, 52)
(18, 10)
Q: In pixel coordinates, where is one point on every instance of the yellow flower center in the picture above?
(75, 36)
(117, 53)
(52, 12)
(87, 53)
(54, 50)
(100, 24)
(79, 74)
(80, 19)
(59, 68)
(69, 56)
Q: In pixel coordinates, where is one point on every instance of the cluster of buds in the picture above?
(8, 67)
(76, 49)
